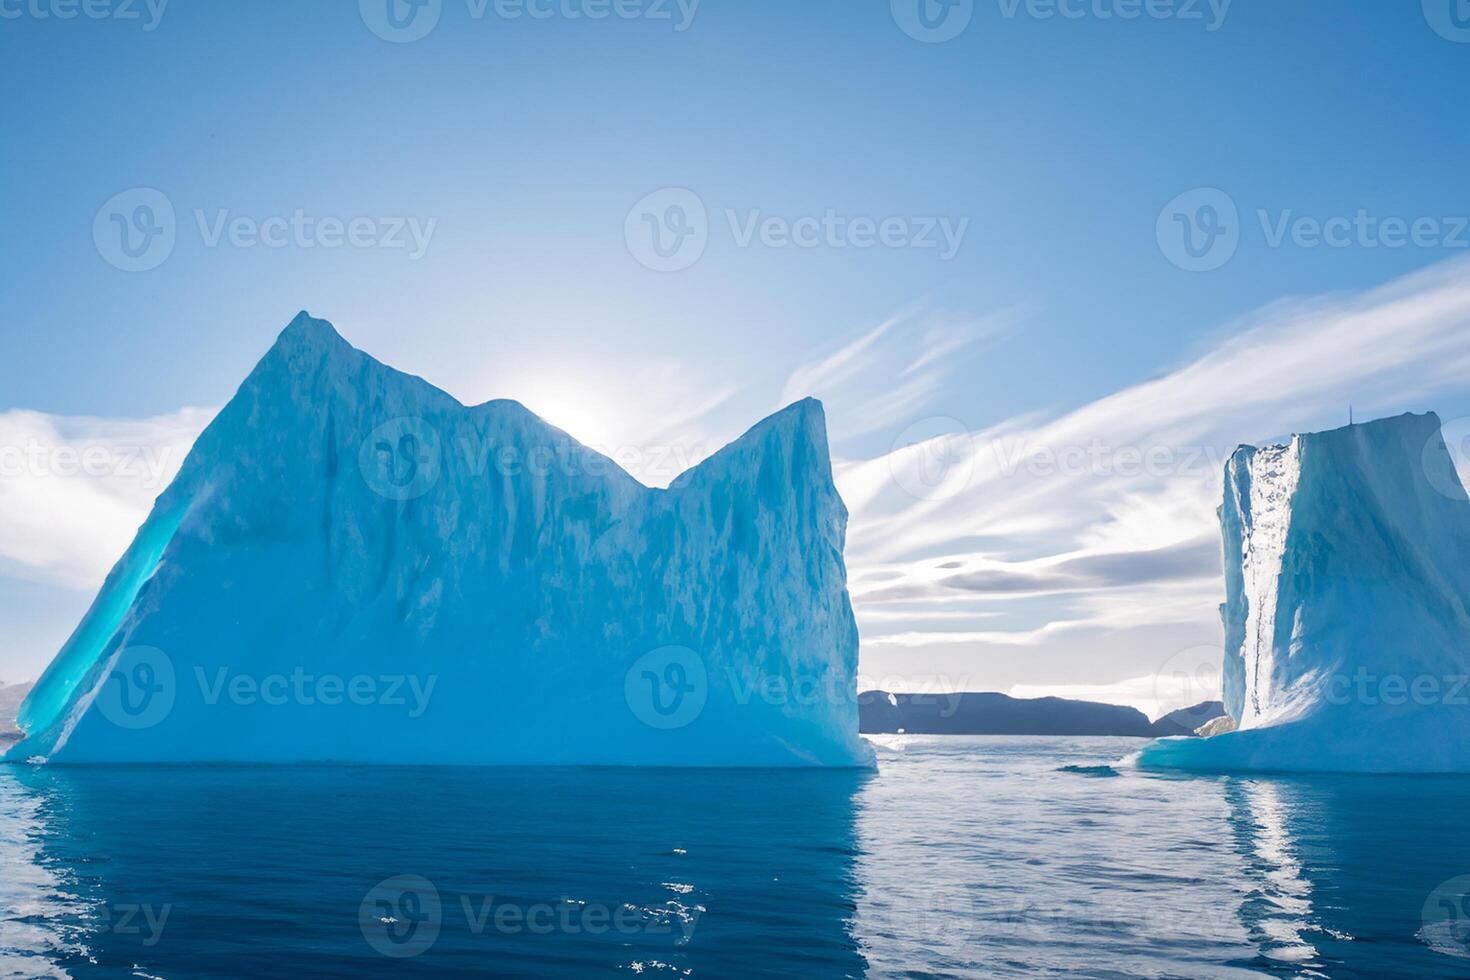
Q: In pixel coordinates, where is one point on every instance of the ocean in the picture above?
(960, 857)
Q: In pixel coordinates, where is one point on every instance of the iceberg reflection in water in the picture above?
(960, 856)
(316, 872)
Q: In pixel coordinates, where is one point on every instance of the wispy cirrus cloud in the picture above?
(886, 374)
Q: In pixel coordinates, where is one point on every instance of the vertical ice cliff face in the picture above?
(1347, 612)
(352, 566)
(1260, 485)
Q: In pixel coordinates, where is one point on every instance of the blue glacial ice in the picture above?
(1347, 613)
(352, 566)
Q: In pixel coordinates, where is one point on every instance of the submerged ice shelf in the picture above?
(353, 566)
(1347, 613)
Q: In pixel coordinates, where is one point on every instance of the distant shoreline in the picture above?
(992, 713)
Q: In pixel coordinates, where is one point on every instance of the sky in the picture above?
(1046, 262)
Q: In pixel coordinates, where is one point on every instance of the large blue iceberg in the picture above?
(354, 567)
(1347, 613)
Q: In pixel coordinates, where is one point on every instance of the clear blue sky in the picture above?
(528, 140)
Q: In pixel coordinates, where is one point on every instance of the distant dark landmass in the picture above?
(971, 713)
(10, 698)
(1186, 721)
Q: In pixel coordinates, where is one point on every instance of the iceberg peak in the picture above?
(307, 338)
(307, 329)
(801, 428)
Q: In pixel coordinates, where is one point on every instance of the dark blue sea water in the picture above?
(960, 857)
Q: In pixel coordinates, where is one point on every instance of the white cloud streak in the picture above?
(888, 374)
(73, 491)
